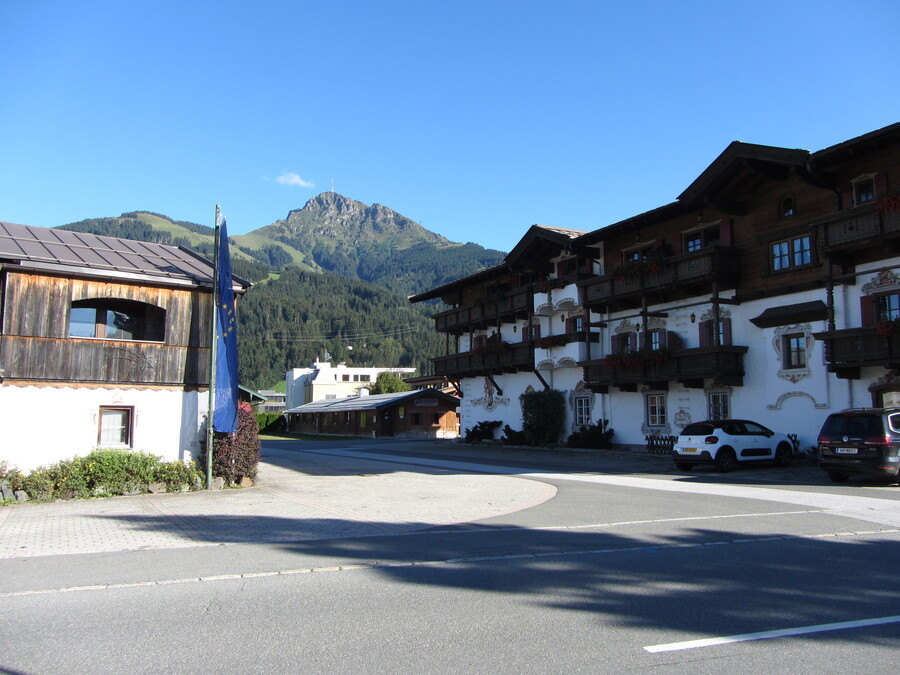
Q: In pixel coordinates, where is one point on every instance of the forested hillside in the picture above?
(288, 322)
(331, 277)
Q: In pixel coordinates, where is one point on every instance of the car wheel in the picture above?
(683, 466)
(726, 460)
(838, 476)
(784, 454)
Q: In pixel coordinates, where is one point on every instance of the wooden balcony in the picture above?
(679, 276)
(121, 362)
(511, 359)
(491, 311)
(848, 350)
(690, 367)
(862, 227)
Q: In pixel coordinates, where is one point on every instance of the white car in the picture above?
(727, 442)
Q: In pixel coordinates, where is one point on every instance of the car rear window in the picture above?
(894, 422)
(854, 426)
(697, 430)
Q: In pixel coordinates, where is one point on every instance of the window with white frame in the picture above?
(863, 190)
(655, 409)
(582, 411)
(717, 405)
(115, 427)
(888, 306)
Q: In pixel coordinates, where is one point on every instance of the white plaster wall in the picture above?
(43, 425)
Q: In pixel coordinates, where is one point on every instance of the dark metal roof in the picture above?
(370, 402)
(801, 312)
(440, 291)
(80, 253)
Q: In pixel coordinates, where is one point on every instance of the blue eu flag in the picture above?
(226, 395)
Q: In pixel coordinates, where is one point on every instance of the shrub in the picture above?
(483, 431)
(513, 437)
(236, 455)
(120, 471)
(178, 474)
(543, 416)
(596, 437)
(270, 422)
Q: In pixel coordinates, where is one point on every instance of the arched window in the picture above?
(116, 319)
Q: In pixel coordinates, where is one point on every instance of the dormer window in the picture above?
(863, 190)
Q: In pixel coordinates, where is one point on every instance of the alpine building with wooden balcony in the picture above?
(769, 290)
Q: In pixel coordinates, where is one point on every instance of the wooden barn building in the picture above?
(423, 413)
(104, 343)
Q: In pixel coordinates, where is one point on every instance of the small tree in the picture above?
(543, 416)
(236, 455)
(388, 382)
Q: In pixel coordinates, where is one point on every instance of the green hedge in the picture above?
(103, 473)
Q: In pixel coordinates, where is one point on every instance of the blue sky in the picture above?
(475, 118)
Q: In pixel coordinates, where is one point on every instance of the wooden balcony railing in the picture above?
(855, 228)
(509, 359)
(848, 350)
(687, 366)
(679, 275)
(497, 308)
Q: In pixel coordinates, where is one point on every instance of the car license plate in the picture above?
(845, 451)
(689, 449)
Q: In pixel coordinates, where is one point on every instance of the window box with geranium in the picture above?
(552, 341)
(889, 207)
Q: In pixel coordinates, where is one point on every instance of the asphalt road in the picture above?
(592, 563)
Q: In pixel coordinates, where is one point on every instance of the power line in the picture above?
(405, 329)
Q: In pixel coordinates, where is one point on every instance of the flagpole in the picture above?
(210, 434)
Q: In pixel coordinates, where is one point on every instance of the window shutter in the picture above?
(847, 196)
(642, 340)
(867, 310)
(569, 328)
(726, 331)
(615, 344)
(663, 339)
(703, 326)
(880, 184)
(725, 232)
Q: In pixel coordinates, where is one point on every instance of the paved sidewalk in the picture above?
(298, 497)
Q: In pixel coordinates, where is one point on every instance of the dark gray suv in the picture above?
(861, 441)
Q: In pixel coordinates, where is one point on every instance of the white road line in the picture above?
(769, 634)
(646, 547)
(871, 509)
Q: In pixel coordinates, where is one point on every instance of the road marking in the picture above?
(769, 634)
(884, 511)
(648, 548)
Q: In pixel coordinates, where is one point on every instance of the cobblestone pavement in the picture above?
(297, 498)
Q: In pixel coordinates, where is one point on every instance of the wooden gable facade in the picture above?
(123, 324)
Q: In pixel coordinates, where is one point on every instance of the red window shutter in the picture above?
(867, 310)
(642, 340)
(726, 331)
(725, 235)
(703, 326)
(569, 328)
(663, 339)
(847, 196)
(880, 184)
(615, 346)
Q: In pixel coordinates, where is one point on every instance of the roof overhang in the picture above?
(785, 315)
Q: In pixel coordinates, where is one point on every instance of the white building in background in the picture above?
(322, 381)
